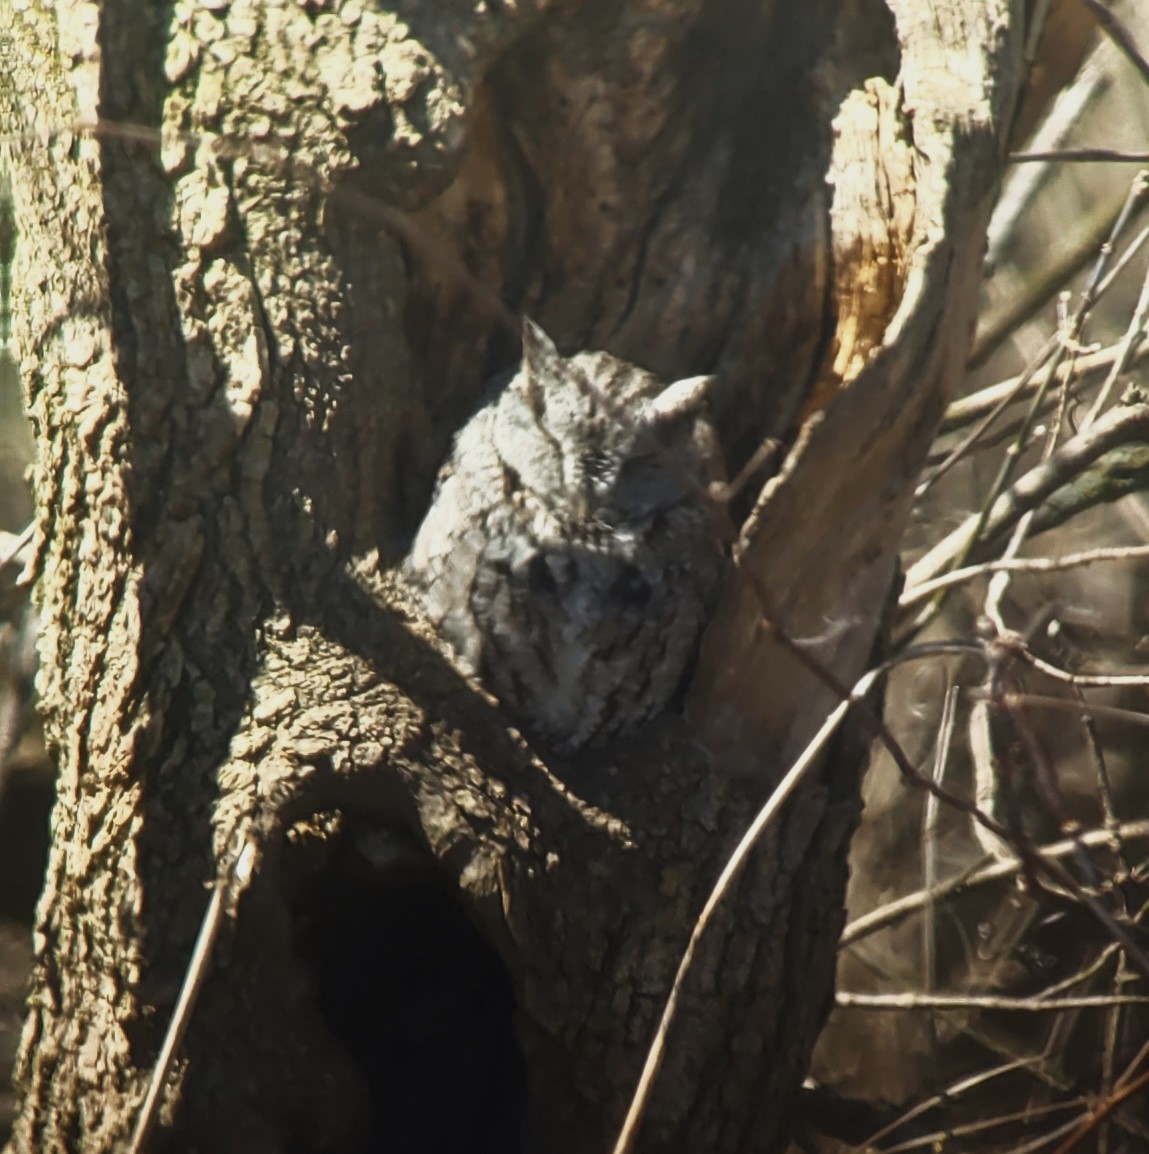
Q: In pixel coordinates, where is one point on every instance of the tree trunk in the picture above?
(243, 378)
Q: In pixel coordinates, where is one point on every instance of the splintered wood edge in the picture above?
(914, 168)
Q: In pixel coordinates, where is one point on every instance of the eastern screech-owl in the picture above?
(570, 556)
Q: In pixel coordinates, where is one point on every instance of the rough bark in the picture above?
(242, 388)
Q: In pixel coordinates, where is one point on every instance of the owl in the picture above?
(571, 553)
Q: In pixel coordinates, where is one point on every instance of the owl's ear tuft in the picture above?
(542, 363)
(539, 350)
(679, 399)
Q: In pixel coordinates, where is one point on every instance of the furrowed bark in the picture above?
(243, 381)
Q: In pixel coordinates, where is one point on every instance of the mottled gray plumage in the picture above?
(569, 555)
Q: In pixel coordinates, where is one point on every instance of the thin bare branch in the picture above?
(931, 814)
(933, 1141)
(975, 406)
(1120, 35)
(921, 592)
(1017, 387)
(237, 873)
(733, 868)
(1079, 156)
(1117, 427)
(1134, 335)
(1090, 235)
(11, 546)
(1102, 1111)
(1085, 680)
(1023, 185)
(1035, 1004)
(949, 1094)
(1074, 705)
(979, 874)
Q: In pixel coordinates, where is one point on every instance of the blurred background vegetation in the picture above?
(944, 1033)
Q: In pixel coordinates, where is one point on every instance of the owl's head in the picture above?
(619, 446)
